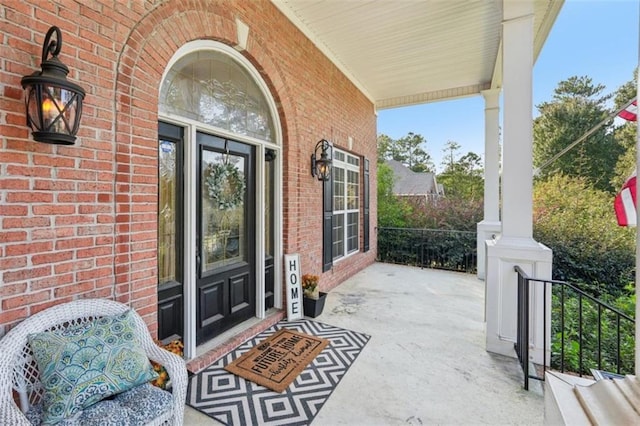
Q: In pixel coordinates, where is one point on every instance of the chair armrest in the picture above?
(10, 413)
(175, 366)
(177, 370)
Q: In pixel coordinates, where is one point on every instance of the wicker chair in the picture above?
(19, 373)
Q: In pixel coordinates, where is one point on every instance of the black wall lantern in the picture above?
(321, 160)
(54, 104)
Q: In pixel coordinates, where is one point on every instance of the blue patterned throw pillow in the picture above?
(82, 365)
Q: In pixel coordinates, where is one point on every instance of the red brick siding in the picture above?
(80, 221)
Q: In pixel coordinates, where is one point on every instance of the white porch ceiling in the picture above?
(404, 52)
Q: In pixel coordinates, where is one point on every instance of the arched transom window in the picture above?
(211, 87)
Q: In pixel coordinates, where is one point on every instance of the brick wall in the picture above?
(80, 221)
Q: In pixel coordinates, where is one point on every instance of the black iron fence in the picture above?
(585, 333)
(428, 248)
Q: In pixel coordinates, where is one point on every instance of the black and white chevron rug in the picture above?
(233, 400)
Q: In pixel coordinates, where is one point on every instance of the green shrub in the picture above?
(392, 211)
(453, 213)
(594, 330)
(578, 223)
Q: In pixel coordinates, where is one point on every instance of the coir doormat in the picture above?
(278, 360)
(232, 400)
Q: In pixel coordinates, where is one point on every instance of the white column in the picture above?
(516, 246)
(489, 228)
(518, 127)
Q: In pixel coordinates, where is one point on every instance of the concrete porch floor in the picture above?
(425, 362)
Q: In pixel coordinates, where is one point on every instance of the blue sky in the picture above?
(596, 38)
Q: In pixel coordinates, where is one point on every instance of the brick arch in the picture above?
(144, 56)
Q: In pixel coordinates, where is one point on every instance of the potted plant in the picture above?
(313, 299)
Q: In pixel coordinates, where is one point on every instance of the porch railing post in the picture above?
(522, 326)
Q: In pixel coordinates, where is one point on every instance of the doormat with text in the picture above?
(232, 400)
(278, 360)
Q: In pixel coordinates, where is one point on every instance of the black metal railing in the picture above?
(428, 248)
(584, 334)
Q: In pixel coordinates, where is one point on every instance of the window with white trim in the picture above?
(346, 204)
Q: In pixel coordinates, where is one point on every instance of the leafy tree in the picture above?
(578, 223)
(451, 149)
(625, 135)
(577, 106)
(416, 158)
(462, 177)
(408, 150)
(392, 211)
(385, 145)
(626, 162)
(626, 92)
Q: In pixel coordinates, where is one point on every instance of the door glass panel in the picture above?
(167, 212)
(223, 210)
(268, 207)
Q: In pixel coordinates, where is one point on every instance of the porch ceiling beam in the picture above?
(436, 95)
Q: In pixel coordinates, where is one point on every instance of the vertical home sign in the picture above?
(294, 289)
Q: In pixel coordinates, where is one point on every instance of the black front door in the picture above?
(226, 235)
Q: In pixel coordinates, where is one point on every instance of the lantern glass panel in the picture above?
(33, 109)
(54, 110)
(59, 109)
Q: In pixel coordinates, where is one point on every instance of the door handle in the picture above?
(198, 264)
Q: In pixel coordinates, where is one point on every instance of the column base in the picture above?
(503, 255)
(486, 230)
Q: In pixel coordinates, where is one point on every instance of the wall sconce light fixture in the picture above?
(54, 104)
(321, 160)
(269, 155)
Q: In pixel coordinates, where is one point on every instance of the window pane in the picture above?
(338, 236)
(212, 88)
(167, 212)
(352, 232)
(338, 189)
(352, 190)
